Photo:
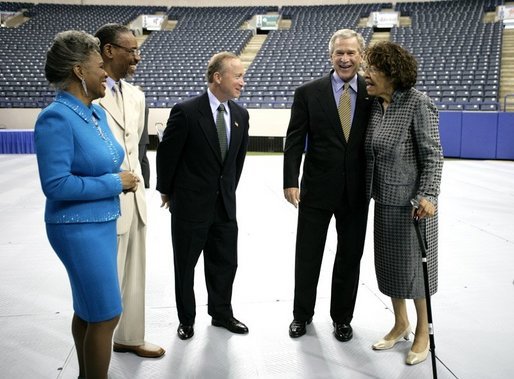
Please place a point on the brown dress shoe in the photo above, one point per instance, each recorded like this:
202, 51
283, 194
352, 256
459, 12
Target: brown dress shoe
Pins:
147, 350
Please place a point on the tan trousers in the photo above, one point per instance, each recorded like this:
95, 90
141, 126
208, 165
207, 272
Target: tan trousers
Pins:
131, 273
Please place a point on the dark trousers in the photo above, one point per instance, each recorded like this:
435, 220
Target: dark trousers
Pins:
145, 165
310, 243
217, 238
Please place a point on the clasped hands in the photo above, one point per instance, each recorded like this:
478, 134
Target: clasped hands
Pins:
129, 181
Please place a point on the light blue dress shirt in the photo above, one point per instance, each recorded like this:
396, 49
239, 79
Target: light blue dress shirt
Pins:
337, 89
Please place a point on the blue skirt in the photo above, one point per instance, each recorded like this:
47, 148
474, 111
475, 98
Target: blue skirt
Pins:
88, 251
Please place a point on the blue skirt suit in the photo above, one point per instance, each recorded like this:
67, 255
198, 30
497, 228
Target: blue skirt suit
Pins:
79, 161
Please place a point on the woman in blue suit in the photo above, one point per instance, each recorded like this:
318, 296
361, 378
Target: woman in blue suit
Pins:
79, 167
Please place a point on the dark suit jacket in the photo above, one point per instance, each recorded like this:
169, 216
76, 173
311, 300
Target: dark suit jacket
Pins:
189, 166
331, 164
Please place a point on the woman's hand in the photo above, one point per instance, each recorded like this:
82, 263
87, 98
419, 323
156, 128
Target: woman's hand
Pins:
129, 181
425, 209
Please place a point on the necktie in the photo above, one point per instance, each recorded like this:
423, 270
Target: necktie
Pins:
118, 96
222, 131
345, 111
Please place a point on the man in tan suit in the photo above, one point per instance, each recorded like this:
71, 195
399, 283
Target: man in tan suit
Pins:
125, 108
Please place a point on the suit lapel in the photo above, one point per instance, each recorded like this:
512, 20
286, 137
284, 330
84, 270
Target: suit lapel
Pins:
236, 130
326, 99
208, 125
362, 99
109, 104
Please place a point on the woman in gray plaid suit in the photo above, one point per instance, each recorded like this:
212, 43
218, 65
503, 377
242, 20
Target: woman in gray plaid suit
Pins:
404, 163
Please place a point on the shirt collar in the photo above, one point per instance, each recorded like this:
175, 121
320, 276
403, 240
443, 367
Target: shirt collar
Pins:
397, 95
215, 103
110, 82
77, 106
339, 83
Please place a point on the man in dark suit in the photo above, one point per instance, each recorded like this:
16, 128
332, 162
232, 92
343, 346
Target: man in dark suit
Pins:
199, 163
331, 115
144, 141
143, 148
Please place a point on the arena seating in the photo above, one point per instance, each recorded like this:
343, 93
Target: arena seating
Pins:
22, 80
173, 65
291, 57
11, 6
459, 55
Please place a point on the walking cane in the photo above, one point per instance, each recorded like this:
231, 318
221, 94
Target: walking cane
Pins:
423, 247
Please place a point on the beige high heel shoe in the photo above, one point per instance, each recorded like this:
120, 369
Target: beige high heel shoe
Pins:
415, 358
384, 344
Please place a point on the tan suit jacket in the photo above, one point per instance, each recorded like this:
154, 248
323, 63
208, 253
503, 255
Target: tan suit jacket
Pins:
127, 131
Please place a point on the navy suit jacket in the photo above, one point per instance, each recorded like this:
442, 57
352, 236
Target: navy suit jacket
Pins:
189, 166
332, 166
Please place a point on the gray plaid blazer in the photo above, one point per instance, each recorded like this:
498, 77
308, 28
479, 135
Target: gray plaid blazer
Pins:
403, 150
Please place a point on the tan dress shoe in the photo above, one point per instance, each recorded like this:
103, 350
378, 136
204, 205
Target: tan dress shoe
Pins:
415, 358
147, 350
384, 344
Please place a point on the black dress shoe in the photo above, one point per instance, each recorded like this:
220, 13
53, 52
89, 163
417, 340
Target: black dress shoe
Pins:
231, 324
343, 332
298, 328
185, 332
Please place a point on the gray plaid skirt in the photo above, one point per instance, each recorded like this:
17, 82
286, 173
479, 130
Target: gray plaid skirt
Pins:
398, 263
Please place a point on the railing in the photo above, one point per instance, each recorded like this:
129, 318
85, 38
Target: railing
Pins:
505, 101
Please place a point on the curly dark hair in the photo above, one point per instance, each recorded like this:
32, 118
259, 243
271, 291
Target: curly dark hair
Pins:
395, 62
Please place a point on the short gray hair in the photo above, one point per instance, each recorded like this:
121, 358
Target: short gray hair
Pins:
345, 34
68, 49
217, 64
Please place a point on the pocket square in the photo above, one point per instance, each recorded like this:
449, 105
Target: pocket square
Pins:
236, 124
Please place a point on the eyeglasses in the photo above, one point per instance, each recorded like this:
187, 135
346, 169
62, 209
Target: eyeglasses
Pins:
130, 51
370, 69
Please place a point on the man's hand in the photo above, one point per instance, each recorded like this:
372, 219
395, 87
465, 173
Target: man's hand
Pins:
166, 202
292, 195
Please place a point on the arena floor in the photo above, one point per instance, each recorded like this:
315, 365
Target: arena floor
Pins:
473, 310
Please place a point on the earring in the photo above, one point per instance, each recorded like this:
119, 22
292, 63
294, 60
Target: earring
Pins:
84, 86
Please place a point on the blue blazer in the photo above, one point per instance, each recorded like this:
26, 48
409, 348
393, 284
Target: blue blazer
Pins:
79, 161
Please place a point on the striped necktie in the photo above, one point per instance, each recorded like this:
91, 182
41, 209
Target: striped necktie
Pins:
345, 111
118, 96
222, 131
